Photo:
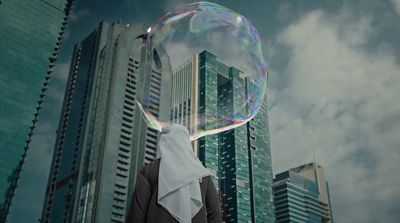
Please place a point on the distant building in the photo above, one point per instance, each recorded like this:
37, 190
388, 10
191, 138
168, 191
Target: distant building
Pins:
31, 33
240, 158
301, 194
102, 140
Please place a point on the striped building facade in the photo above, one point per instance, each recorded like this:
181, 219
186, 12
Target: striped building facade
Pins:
102, 140
301, 194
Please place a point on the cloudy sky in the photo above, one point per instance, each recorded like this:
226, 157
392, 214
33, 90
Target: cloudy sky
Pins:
334, 89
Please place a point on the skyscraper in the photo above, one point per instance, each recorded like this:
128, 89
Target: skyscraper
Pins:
31, 33
239, 158
102, 139
301, 194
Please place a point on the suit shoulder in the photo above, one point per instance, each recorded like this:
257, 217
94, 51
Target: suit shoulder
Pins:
205, 181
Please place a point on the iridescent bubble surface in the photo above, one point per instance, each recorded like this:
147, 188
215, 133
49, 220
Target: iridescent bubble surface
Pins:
212, 72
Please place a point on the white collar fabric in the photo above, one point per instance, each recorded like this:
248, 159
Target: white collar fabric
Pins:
179, 175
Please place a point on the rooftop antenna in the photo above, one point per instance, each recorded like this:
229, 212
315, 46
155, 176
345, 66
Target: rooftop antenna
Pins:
315, 156
316, 170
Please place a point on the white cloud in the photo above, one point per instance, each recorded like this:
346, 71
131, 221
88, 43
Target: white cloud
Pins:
58, 82
285, 11
340, 98
396, 6
79, 15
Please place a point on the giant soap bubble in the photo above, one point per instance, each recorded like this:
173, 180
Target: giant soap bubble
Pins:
204, 69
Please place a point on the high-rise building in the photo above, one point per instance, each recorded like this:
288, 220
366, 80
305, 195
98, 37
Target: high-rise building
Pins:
240, 158
102, 139
301, 194
31, 33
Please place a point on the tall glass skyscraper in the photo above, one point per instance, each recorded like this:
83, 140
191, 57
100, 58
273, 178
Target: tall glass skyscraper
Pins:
239, 159
301, 194
31, 33
102, 139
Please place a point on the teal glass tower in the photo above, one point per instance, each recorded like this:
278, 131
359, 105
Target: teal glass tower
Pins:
31, 33
301, 194
239, 159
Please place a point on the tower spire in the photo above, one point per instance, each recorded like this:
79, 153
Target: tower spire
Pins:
316, 169
315, 156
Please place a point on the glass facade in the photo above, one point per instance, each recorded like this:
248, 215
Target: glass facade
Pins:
239, 158
301, 195
30, 37
259, 144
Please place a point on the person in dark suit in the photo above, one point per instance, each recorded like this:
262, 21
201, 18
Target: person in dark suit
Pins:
175, 187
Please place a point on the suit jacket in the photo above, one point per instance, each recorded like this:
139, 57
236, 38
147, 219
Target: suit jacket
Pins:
145, 208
